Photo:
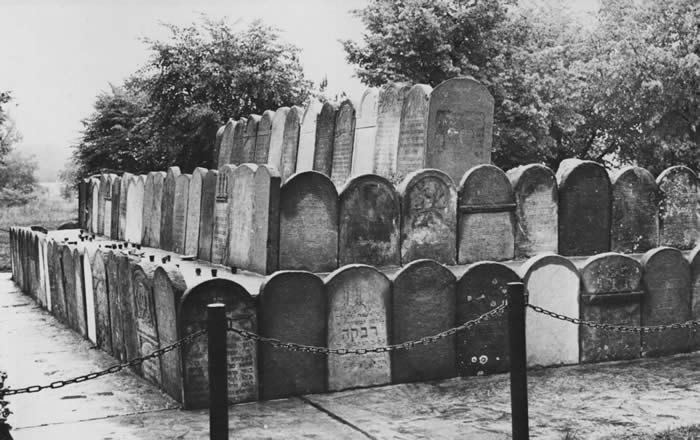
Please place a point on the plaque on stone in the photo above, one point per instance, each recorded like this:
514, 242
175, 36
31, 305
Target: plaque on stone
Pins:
308, 223
221, 228
80, 303
428, 217
134, 210
325, 135
123, 189
369, 222
536, 201
154, 218
359, 298
667, 300
413, 130
274, 153
240, 216
226, 146
239, 131
194, 205
611, 293
242, 353
486, 216
107, 227
262, 140
116, 200
551, 282
585, 200
483, 349
217, 144
694, 260
679, 209
389, 107
167, 207
635, 211
145, 325
105, 191
292, 307
307, 136
423, 305
343, 142
263, 254
127, 307
182, 190
115, 305
365, 133
207, 215
290, 141
103, 321
249, 138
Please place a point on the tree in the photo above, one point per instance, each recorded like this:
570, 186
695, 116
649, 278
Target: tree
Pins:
18, 183
9, 135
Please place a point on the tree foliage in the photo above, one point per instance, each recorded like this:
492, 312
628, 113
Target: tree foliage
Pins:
18, 184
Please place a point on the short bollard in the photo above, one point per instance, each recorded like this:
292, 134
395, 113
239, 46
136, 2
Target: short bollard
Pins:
518, 361
218, 387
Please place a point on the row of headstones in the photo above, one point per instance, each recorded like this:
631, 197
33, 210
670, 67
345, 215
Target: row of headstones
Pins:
391, 132
239, 216
129, 306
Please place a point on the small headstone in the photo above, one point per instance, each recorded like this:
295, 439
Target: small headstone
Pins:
307, 136
694, 260
290, 141
115, 305
262, 140
486, 216
237, 156
123, 189
389, 108
207, 215
292, 307
359, 298
116, 201
460, 125
182, 190
249, 139
343, 142
428, 217
413, 130
80, 303
221, 229
146, 327
134, 211
536, 211
325, 134
635, 211
308, 223
194, 206
167, 207
217, 145
274, 154
679, 209
423, 304
102, 315
154, 217
226, 146
365, 133
369, 222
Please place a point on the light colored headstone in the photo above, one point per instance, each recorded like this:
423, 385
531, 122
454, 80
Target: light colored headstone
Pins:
226, 146
134, 211
217, 144
224, 185
343, 142
679, 209
249, 138
413, 130
182, 190
262, 140
635, 211
325, 135
237, 156
167, 207
263, 253
95, 197
123, 184
148, 190
69, 288
207, 215
389, 109
240, 216
307, 136
290, 141
365, 133
194, 206
274, 155
81, 303
99, 287
107, 217
155, 216
105, 192
145, 313
90, 311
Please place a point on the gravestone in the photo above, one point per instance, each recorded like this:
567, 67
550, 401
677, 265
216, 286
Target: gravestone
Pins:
237, 156
389, 108
551, 282
274, 153
249, 138
94, 203
679, 208
460, 125
103, 321
41, 269
263, 254
423, 305
167, 207
240, 216
584, 208
483, 349
123, 190
224, 187
359, 298
217, 144
134, 211
262, 140
413, 129
635, 211
155, 216
611, 293
105, 191
428, 217
486, 216
307, 136
292, 307
182, 190
369, 222
694, 260
536, 201
127, 307
290, 141
116, 202
115, 305
241, 353
146, 212
365, 133
69, 290
207, 215
308, 223
667, 300
325, 134
145, 324
194, 206
80, 301
343, 141
226, 146
82, 202
90, 316
107, 227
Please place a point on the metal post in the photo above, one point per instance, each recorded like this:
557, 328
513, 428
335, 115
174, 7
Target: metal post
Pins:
518, 361
218, 388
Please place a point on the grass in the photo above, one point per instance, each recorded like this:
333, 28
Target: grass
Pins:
683, 433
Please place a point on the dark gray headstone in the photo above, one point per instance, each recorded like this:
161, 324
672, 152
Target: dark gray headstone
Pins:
239, 133
262, 140
226, 146
207, 215
343, 142
107, 227
389, 109
635, 211
69, 290
102, 312
166, 211
123, 190
325, 134
182, 191
155, 216
365, 133
249, 139
116, 202
221, 228
115, 305
679, 209
413, 130
217, 145
78, 277
127, 307
145, 314
82, 202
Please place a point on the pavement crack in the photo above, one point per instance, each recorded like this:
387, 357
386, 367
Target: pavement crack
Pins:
336, 417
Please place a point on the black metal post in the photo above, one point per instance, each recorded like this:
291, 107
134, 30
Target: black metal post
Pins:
218, 387
518, 361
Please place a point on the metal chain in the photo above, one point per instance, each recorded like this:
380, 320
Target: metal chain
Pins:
381, 349
113, 369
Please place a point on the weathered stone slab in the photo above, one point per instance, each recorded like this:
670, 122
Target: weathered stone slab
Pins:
307, 136
460, 125
94, 204
58, 297
667, 300
536, 210
389, 107
694, 260
308, 223
226, 146
242, 353
290, 141
134, 210
262, 140
292, 307
263, 253
82, 202
274, 153
43, 296
611, 293
635, 211
194, 206
343, 142
123, 189
423, 305
154, 217
679, 208
413, 130
145, 314
552, 282
359, 298
127, 306
428, 217
207, 215
249, 138
224, 187
237, 155
80, 302
115, 305
167, 207
584, 208
217, 145
240, 216
182, 191
69, 290
486, 216
90, 316
107, 217
325, 135
103, 321
369, 222
484, 348
116, 202
105, 191
365, 133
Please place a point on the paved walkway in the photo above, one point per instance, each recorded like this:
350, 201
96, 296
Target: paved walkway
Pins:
591, 401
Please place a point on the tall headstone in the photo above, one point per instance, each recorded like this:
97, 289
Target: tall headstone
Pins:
262, 141
239, 131
217, 144
224, 185
413, 130
115, 305
307, 136
585, 200
423, 304
274, 154
134, 211
536, 209
123, 189
308, 223
694, 260
486, 216
207, 215
679, 208
70, 292
343, 142
428, 217
226, 146
82, 202
155, 215
368, 222
389, 107
180, 203
128, 307
116, 202
194, 206
105, 192
460, 125
249, 138
79, 280
167, 207
359, 298
325, 135
365, 133
635, 211
292, 307
95, 204
240, 216
103, 328
146, 324
90, 300
147, 206
290, 141
107, 227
